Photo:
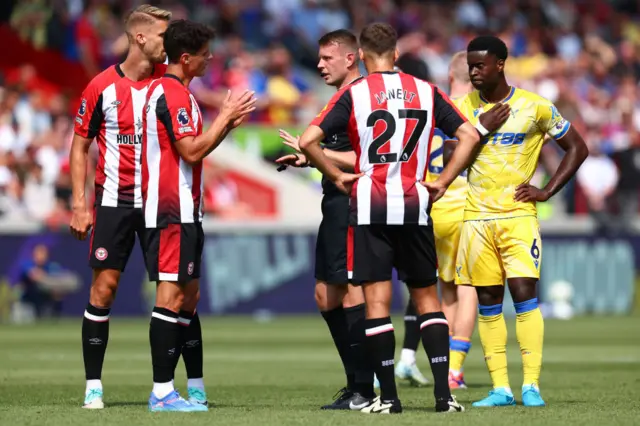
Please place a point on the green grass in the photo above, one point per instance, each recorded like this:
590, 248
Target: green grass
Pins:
280, 372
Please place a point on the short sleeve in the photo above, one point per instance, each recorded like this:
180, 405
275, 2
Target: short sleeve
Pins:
447, 116
550, 121
174, 110
90, 114
334, 117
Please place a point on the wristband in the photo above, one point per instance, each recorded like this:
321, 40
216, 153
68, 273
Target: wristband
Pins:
483, 131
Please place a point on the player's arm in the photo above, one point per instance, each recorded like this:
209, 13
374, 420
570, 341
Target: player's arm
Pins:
88, 122
194, 148
576, 151
452, 122
345, 160
333, 119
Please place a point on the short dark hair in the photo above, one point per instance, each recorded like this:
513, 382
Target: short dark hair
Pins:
183, 36
378, 38
490, 44
414, 66
340, 36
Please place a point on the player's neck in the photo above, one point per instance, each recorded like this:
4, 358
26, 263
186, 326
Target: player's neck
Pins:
458, 90
498, 93
378, 65
353, 74
136, 67
176, 69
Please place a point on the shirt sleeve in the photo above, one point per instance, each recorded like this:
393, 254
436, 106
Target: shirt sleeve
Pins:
550, 121
174, 110
447, 117
90, 115
334, 117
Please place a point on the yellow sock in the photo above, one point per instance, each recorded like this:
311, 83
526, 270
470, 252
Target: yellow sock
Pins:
530, 333
493, 336
459, 348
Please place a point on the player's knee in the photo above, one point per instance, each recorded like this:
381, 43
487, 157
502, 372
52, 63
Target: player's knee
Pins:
425, 299
449, 292
490, 295
328, 297
191, 299
522, 289
103, 290
170, 296
353, 297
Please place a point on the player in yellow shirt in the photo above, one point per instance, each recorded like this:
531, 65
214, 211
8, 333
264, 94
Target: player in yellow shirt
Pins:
500, 236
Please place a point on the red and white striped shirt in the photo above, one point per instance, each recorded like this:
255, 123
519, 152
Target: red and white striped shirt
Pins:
171, 188
390, 118
111, 111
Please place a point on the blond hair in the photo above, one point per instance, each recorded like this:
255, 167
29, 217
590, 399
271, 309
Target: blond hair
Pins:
144, 14
458, 68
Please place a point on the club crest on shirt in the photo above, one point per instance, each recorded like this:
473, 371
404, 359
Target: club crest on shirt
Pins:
83, 107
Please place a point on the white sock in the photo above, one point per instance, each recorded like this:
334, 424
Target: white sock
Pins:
408, 356
507, 390
93, 384
160, 390
455, 372
196, 383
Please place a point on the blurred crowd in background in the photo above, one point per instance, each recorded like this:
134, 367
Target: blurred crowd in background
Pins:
583, 55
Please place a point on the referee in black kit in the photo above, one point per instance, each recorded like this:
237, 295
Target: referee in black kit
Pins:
341, 305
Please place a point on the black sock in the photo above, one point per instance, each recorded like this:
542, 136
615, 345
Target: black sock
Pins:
381, 346
191, 344
164, 336
337, 322
411, 328
95, 335
363, 366
435, 339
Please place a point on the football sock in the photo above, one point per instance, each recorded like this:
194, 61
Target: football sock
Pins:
381, 346
160, 390
165, 339
95, 335
191, 344
411, 334
363, 368
92, 385
530, 333
435, 339
336, 320
493, 336
459, 348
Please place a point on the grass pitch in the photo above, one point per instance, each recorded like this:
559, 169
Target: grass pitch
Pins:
280, 372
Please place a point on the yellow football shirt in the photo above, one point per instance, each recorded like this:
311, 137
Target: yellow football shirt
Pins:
449, 208
509, 156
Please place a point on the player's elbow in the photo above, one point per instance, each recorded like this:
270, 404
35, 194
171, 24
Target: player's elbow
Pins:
191, 158
305, 144
583, 151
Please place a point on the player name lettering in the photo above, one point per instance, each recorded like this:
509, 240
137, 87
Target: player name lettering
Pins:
395, 94
129, 139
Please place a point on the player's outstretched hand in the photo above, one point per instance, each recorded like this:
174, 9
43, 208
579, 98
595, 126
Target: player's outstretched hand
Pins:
289, 140
436, 189
235, 108
81, 223
295, 160
495, 117
345, 181
526, 192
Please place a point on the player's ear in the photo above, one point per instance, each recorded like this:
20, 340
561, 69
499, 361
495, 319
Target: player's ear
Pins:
140, 38
361, 54
500, 65
351, 59
184, 59
396, 55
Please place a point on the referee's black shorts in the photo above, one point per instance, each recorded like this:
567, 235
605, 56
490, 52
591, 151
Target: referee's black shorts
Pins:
335, 241
410, 249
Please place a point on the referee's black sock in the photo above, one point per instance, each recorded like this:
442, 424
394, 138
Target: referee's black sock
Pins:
435, 339
381, 346
411, 328
363, 367
95, 335
165, 339
336, 320
191, 345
